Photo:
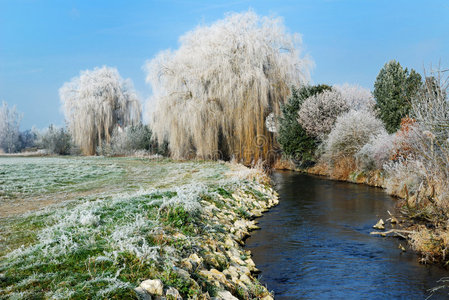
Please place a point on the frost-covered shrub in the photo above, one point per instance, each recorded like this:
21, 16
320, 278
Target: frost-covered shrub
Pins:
213, 94
376, 152
319, 112
351, 132
422, 146
404, 177
139, 137
357, 97
130, 140
430, 143
407, 139
430, 107
28, 138
55, 140
95, 103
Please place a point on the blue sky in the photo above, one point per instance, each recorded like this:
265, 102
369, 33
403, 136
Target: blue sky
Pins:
45, 43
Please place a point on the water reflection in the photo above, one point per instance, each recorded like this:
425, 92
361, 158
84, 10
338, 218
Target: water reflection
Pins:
316, 245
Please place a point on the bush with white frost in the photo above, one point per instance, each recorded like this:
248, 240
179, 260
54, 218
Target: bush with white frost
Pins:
378, 151
55, 140
28, 138
128, 140
430, 143
319, 112
404, 177
95, 103
357, 97
351, 132
213, 94
430, 107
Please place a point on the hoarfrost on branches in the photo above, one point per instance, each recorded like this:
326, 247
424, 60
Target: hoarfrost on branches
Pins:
357, 97
213, 94
376, 152
130, 140
319, 112
352, 131
430, 107
95, 103
409, 174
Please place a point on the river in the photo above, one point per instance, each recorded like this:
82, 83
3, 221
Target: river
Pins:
316, 245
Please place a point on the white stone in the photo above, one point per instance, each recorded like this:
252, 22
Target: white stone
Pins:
195, 258
229, 242
215, 275
240, 224
244, 278
232, 271
244, 270
250, 263
154, 287
225, 295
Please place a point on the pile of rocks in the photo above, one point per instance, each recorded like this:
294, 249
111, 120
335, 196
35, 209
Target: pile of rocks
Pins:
221, 261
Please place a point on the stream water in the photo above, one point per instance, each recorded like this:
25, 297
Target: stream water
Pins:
316, 245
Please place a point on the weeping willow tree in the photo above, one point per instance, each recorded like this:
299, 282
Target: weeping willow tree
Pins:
211, 97
95, 103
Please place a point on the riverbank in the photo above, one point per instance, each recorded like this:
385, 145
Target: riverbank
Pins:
316, 244
154, 228
426, 232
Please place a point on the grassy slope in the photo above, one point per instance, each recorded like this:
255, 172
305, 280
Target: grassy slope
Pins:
117, 221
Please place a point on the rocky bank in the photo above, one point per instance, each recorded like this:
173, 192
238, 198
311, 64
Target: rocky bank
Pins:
219, 267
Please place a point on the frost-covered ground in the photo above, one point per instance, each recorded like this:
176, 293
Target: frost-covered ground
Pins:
28, 183
109, 222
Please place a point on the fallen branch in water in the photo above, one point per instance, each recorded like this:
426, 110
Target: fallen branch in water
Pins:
398, 232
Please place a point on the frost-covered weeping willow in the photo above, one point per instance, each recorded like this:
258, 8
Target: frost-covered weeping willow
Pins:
212, 95
95, 103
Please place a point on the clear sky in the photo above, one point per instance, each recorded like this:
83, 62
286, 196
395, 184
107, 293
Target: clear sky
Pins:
45, 43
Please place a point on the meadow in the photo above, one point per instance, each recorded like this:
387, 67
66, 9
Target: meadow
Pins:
95, 227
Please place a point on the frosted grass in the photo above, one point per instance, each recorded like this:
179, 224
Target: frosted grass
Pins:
25, 176
104, 244
99, 232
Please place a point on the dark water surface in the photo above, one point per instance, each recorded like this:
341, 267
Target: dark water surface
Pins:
316, 245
